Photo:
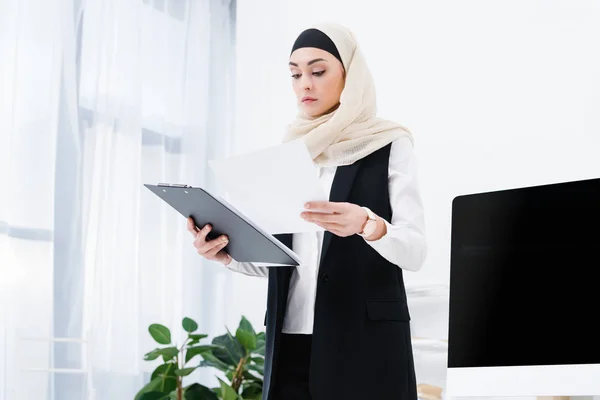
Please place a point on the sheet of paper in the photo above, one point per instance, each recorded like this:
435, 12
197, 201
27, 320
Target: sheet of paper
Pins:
270, 186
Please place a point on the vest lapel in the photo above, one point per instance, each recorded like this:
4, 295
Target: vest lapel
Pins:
279, 282
340, 189
284, 274
285, 238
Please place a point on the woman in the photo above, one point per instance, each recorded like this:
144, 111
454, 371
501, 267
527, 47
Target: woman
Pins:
338, 325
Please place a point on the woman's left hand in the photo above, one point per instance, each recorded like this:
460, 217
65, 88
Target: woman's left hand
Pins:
341, 219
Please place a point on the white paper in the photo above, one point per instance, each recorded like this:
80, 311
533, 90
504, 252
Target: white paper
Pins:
289, 252
270, 186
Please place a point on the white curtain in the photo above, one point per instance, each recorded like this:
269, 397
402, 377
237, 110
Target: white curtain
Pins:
98, 97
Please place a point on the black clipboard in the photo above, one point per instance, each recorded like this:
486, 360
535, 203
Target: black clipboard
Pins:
247, 242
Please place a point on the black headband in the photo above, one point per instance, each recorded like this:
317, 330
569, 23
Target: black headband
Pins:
316, 38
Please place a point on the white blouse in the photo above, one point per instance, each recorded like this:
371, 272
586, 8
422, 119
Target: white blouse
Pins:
404, 244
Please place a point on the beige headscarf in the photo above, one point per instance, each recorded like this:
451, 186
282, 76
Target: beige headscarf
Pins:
352, 131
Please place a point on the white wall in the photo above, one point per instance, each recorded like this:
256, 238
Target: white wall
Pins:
498, 95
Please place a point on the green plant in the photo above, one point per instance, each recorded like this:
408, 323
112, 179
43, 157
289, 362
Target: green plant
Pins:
240, 358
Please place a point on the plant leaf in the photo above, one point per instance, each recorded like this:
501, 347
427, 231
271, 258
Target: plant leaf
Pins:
247, 340
258, 368
229, 375
168, 384
160, 333
253, 385
211, 361
195, 338
168, 353
260, 349
152, 396
164, 369
260, 344
258, 360
250, 377
246, 326
184, 371
227, 392
198, 392
171, 396
167, 381
155, 385
189, 325
153, 355
196, 350
232, 351
252, 391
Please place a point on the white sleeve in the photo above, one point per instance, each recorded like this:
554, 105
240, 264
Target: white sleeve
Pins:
248, 268
405, 243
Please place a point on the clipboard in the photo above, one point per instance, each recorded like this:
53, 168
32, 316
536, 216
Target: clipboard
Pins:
247, 241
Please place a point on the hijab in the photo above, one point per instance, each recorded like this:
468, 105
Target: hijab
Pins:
352, 131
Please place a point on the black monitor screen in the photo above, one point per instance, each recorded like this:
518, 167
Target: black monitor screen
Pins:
525, 277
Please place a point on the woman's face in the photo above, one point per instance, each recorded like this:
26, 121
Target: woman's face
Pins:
317, 79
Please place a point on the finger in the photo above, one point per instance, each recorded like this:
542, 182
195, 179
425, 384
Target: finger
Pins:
329, 227
325, 206
200, 239
203, 232
191, 226
324, 218
209, 246
335, 231
223, 257
215, 254
212, 252
341, 232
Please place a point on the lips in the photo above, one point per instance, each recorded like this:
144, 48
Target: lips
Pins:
308, 99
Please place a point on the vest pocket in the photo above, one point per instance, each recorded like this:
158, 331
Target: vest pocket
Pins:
387, 310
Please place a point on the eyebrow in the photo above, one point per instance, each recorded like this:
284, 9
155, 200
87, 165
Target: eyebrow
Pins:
310, 62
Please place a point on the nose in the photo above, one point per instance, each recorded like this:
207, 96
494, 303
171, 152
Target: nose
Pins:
306, 82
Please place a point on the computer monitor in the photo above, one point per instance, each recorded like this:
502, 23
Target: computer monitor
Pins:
525, 292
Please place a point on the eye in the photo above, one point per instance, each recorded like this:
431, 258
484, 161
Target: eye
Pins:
295, 76
318, 73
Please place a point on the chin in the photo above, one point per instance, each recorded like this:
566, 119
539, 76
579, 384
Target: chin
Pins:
312, 112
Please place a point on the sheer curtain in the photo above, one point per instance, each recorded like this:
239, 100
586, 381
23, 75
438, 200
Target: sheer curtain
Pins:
98, 97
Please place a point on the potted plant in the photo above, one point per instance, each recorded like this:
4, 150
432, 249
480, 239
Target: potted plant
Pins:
239, 357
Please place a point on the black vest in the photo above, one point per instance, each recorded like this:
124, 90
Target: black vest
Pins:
361, 346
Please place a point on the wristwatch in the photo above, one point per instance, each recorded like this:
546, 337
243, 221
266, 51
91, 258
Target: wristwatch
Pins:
370, 225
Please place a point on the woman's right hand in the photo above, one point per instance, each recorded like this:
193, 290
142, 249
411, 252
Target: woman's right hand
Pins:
211, 249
